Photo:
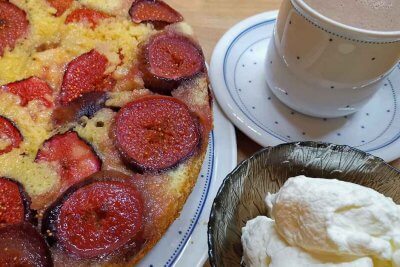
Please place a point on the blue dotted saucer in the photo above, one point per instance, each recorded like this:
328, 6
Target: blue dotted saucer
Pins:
237, 76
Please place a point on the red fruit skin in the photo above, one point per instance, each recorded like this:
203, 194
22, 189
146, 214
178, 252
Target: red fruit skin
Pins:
74, 158
80, 220
30, 89
13, 25
11, 133
85, 74
168, 59
22, 245
155, 133
86, 15
154, 11
86, 105
60, 5
15, 203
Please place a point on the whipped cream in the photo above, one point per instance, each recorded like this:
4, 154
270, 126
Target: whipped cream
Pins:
263, 247
323, 222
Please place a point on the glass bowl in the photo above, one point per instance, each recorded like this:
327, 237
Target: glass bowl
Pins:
241, 196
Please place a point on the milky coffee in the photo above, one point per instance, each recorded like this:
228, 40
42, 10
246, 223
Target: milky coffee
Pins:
379, 15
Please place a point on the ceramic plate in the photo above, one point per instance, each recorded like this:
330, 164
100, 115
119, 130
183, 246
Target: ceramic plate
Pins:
242, 194
237, 77
185, 243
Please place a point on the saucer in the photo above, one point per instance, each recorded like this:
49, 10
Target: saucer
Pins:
237, 75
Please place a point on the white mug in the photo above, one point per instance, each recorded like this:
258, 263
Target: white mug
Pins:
323, 68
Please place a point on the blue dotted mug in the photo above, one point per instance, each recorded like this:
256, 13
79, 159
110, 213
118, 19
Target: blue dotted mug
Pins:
323, 68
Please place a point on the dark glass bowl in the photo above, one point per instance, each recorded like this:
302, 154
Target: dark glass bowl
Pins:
241, 196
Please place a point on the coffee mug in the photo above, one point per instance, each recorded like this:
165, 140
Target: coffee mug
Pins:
323, 68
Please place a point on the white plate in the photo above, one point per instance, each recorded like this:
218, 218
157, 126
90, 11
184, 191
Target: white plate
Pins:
237, 77
185, 243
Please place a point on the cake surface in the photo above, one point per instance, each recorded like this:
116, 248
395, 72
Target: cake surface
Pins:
105, 97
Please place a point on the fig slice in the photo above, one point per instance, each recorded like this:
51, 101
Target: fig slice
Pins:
15, 203
60, 5
73, 157
13, 25
167, 59
10, 136
22, 245
29, 89
96, 218
85, 74
155, 133
86, 15
154, 11
86, 105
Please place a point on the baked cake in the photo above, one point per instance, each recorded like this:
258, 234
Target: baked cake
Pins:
105, 113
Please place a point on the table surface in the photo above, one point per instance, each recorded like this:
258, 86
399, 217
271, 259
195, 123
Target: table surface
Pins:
210, 20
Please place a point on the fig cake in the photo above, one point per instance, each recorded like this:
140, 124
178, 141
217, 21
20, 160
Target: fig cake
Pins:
105, 114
